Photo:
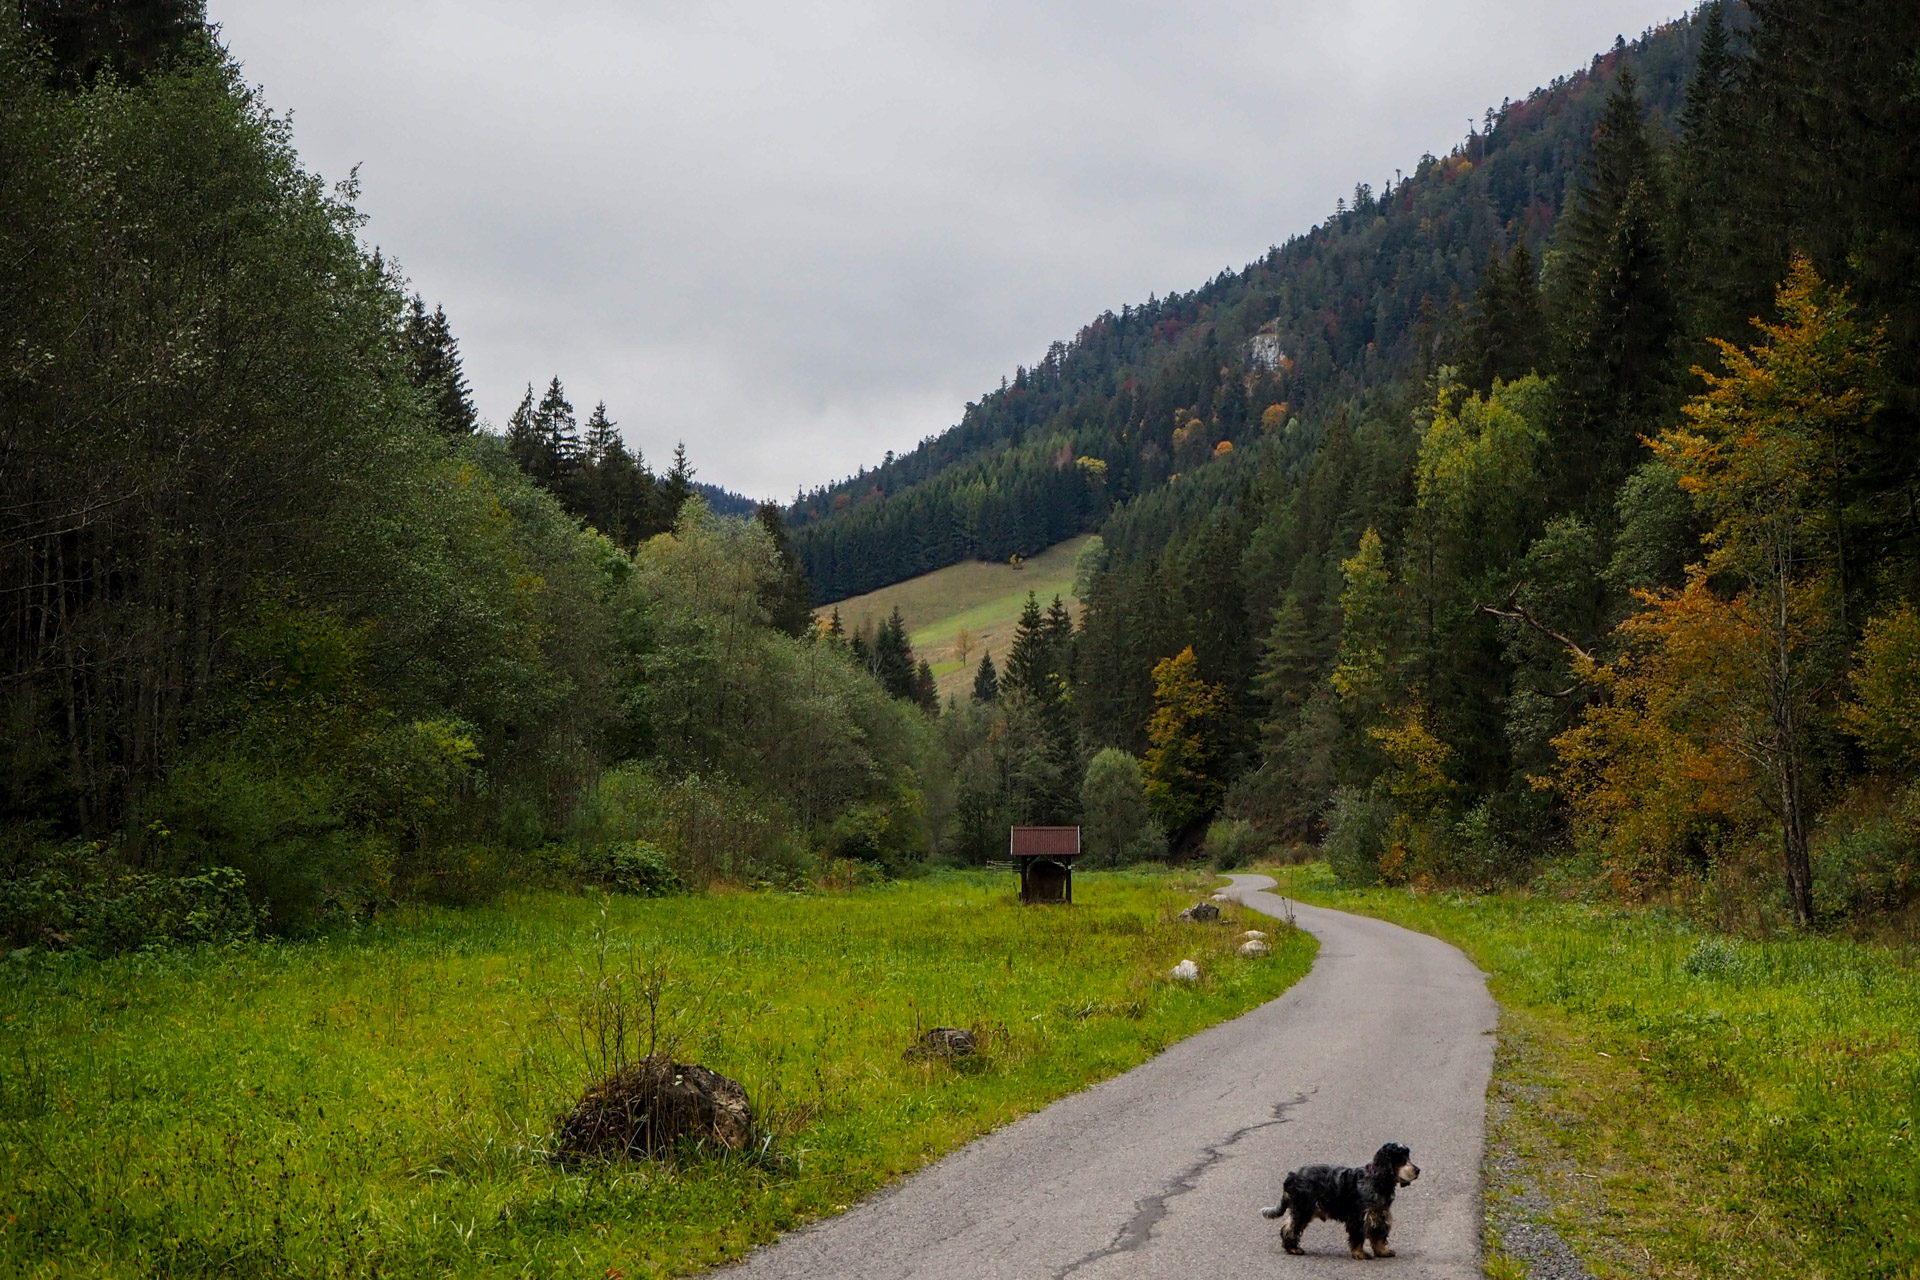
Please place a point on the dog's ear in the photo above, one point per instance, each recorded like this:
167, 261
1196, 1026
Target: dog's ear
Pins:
1390, 1156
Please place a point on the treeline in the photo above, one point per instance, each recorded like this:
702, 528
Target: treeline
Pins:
285, 633
1612, 579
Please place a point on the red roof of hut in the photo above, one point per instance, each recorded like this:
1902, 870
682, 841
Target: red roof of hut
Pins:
1046, 842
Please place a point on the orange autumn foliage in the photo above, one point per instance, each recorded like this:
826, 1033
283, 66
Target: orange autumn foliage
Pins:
1657, 774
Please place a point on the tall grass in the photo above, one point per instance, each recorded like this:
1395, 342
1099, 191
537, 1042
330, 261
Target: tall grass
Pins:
382, 1103
1766, 1095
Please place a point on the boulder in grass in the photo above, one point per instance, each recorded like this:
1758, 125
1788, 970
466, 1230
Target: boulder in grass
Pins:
946, 1042
1224, 897
1255, 947
1254, 935
646, 1107
1201, 913
1186, 971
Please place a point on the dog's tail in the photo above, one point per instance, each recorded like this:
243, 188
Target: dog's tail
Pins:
1278, 1210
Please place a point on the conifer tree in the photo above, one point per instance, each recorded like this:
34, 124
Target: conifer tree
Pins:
1289, 668
1030, 666
129, 38
893, 657
986, 681
600, 437
926, 691
787, 598
1614, 310
1711, 219
677, 485
1505, 334
433, 356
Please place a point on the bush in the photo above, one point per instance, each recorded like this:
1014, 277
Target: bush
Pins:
1866, 857
1232, 843
85, 904
709, 828
284, 831
1149, 846
640, 868
1357, 825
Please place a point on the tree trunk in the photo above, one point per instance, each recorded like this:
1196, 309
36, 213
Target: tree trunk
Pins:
1788, 762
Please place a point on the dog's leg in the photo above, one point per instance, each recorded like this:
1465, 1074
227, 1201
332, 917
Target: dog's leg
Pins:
1357, 1237
1379, 1223
1298, 1217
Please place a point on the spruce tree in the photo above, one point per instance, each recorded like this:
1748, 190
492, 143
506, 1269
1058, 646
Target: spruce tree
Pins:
526, 443
600, 438
128, 38
1505, 332
787, 598
433, 358
1030, 666
986, 681
926, 691
893, 657
677, 485
1614, 311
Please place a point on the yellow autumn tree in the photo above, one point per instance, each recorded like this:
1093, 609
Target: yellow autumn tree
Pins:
1182, 766
1724, 680
1368, 618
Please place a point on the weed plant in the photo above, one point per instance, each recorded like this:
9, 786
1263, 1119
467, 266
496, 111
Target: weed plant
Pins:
1741, 1107
384, 1102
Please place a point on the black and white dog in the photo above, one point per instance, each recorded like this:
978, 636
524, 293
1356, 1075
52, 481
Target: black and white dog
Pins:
1361, 1198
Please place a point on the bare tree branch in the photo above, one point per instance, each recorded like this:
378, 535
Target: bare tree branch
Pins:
1513, 609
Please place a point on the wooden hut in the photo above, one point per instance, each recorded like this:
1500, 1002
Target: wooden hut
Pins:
1045, 857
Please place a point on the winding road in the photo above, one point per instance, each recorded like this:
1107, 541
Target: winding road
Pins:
1162, 1171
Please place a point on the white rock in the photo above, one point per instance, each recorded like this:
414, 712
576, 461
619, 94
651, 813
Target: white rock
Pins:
1254, 935
1255, 947
1186, 971
1224, 897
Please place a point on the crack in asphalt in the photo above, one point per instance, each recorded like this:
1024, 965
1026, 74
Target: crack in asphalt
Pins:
1148, 1211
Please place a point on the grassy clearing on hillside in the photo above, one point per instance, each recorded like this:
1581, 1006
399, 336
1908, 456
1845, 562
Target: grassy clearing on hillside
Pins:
1691, 1104
382, 1103
982, 598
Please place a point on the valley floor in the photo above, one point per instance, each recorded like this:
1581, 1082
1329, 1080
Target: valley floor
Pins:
382, 1101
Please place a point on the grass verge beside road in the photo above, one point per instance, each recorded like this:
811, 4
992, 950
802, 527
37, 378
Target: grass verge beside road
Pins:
1675, 1103
381, 1104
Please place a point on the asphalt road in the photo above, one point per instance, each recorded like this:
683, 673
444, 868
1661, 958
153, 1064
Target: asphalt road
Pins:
1162, 1171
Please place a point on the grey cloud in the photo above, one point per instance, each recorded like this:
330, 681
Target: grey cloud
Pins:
799, 234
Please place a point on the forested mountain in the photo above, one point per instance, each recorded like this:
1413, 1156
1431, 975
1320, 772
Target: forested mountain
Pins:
1478, 531
1500, 535
1168, 388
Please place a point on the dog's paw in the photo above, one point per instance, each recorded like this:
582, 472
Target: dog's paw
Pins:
1381, 1251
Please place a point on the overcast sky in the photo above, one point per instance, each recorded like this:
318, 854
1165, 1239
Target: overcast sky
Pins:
797, 234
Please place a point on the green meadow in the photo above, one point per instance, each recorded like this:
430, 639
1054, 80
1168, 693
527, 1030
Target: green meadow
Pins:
1692, 1104
975, 596
382, 1102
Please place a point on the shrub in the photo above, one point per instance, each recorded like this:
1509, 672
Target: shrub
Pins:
1866, 857
85, 903
709, 828
1357, 825
1232, 843
640, 868
1149, 846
